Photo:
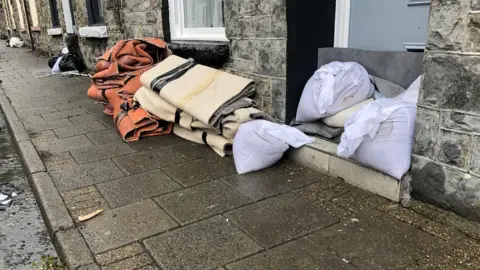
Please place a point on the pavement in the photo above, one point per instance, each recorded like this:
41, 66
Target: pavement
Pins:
23, 235
171, 204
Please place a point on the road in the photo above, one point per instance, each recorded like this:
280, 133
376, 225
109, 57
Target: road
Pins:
23, 236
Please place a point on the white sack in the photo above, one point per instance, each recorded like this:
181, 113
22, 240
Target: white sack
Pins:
65, 50
259, 144
411, 94
381, 136
339, 119
56, 67
333, 88
15, 42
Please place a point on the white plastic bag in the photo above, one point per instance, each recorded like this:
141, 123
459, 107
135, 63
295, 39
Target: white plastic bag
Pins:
333, 88
15, 42
259, 144
56, 67
381, 136
411, 94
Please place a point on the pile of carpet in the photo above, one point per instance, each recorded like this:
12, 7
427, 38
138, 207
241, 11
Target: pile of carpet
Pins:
118, 79
150, 92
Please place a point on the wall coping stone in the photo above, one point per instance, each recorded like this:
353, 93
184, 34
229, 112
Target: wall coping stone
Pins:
93, 31
55, 31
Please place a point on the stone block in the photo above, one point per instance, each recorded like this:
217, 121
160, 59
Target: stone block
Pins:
23, 114
454, 148
104, 136
113, 229
38, 124
473, 42
279, 100
77, 176
358, 200
201, 170
371, 232
270, 57
445, 187
30, 157
189, 247
241, 65
137, 187
62, 114
84, 201
451, 81
148, 160
157, 142
475, 5
56, 160
54, 211
192, 151
277, 179
365, 178
118, 254
43, 136
73, 248
299, 254
64, 145
426, 132
280, 219
279, 18
475, 157
134, 262
201, 201
461, 121
78, 129
18, 131
99, 152
242, 49
447, 24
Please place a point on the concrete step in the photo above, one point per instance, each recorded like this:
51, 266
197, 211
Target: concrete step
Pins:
321, 156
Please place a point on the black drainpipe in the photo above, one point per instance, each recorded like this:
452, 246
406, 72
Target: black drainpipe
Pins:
29, 24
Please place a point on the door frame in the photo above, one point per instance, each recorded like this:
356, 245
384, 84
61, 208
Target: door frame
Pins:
342, 23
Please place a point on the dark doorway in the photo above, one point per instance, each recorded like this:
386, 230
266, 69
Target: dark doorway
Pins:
311, 25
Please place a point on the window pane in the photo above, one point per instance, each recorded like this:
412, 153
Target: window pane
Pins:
203, 13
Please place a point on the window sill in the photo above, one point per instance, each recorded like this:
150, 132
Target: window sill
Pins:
55, 31
35, 29
207, 53
93, 32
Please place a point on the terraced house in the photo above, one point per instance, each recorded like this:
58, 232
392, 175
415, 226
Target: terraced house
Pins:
276, 43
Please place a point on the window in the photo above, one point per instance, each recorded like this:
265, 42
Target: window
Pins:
197, 20
54, 14
94, 10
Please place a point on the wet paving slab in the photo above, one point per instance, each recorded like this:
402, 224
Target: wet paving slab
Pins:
23, 236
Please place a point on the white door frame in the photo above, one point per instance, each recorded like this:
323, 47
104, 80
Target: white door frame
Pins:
342, 23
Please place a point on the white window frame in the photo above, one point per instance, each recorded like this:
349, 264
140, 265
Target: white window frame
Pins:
179, 32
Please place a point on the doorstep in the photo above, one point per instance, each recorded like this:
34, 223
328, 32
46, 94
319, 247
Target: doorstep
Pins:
321, 156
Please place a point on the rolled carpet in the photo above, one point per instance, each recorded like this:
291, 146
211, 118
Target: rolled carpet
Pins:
189, 87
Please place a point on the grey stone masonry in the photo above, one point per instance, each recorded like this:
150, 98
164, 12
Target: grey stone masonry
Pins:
446, 152
257, 30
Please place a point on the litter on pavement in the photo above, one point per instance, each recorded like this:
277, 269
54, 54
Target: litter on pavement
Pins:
8, 192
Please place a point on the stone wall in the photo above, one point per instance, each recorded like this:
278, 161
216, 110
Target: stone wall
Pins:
257, 30
446, 162
50, 45
123, 18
